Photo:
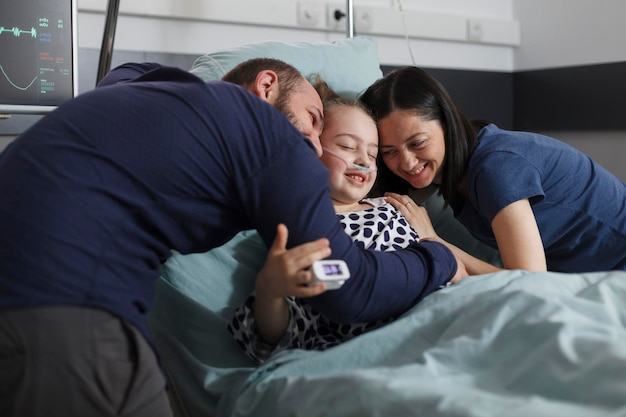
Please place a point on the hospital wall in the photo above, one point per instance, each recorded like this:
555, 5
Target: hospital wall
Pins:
570, 75
562, 76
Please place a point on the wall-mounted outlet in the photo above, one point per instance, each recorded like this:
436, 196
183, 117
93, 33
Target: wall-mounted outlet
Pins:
363, 19
336, 18
474, 30
309, 13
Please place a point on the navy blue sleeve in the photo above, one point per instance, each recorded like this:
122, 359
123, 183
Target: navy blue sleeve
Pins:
389, 284
127, 72
293, 189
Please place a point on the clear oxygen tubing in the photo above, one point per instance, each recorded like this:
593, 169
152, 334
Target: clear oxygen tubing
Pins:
361, 168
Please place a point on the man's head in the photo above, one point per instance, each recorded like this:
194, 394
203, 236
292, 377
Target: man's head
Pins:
282, 86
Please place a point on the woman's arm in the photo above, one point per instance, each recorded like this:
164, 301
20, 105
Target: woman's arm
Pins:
518, 237
418, 217
285, 273
473, 265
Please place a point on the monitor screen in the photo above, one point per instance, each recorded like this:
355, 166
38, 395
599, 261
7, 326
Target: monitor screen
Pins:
38, 55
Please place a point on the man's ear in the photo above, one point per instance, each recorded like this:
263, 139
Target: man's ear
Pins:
266, 86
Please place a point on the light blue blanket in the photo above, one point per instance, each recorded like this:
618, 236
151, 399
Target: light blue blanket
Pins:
509, 344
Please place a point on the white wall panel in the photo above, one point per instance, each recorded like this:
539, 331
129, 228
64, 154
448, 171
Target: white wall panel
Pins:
559, 33
199, 26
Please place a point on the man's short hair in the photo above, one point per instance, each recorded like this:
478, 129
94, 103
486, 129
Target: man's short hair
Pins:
245, 73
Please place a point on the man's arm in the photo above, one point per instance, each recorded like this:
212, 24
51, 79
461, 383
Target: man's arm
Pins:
293, 189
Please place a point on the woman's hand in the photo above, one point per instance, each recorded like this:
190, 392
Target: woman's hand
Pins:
416, 215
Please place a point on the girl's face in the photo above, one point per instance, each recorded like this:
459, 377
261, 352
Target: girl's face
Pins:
412, 148
351, 137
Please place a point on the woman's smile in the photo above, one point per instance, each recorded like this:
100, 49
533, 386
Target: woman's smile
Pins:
413, 148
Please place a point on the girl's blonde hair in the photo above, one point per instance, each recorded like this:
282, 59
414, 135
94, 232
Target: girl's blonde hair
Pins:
331, 98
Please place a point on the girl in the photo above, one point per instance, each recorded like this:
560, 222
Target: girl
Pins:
271, 320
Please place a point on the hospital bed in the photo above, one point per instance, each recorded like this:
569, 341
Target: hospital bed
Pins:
512, 343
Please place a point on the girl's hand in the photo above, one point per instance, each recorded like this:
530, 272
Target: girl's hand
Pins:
287, 271
416, 215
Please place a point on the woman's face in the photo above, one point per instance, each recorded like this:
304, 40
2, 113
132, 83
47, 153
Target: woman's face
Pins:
412, 148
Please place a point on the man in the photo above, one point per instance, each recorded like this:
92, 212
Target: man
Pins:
95, 196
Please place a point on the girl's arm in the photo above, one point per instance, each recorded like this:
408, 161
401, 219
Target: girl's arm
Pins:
285, 273
518, 237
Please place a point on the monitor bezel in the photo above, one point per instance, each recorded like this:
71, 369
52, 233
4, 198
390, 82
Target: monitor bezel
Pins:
8, 109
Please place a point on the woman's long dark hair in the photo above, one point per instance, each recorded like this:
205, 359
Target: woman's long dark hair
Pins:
413, 89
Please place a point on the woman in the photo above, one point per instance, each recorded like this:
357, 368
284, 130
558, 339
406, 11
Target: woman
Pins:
541, 203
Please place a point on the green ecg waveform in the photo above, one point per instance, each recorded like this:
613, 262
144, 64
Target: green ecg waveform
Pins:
17, 32
15, 85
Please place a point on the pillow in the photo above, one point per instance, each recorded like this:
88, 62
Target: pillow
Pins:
197, 294
349, 65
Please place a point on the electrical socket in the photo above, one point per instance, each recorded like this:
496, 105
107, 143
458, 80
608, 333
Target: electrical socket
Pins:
363, 19
309, 13
336, 18
474, 30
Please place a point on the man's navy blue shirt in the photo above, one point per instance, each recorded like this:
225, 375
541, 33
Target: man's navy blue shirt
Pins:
94, 197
